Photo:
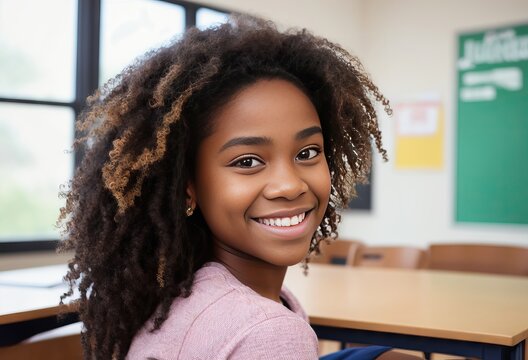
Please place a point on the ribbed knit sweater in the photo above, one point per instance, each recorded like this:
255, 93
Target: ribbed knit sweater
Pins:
224, 319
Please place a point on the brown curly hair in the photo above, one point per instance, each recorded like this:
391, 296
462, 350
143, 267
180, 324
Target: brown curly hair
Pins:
135, 249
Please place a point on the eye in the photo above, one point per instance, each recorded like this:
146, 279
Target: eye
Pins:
247, 163
307, 154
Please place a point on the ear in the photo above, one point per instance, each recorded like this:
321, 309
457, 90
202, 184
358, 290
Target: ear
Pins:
191, 195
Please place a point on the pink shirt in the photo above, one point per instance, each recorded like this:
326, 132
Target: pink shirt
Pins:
224, 319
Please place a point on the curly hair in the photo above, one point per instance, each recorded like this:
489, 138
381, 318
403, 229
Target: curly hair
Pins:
135, 249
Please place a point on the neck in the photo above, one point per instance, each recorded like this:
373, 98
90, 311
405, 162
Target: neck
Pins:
262, 277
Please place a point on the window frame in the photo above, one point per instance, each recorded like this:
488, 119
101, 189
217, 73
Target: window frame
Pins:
86, 82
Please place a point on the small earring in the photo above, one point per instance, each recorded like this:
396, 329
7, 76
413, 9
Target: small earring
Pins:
189, 211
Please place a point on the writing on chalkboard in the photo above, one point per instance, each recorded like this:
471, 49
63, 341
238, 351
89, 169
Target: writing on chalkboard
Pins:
495, 47
510, 78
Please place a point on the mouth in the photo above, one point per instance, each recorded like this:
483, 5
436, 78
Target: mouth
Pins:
296, 226
287, 221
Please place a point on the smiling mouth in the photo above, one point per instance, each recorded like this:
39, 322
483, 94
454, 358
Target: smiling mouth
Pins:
283, 221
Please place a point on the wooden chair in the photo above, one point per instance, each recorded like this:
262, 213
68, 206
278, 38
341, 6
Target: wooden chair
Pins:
482, 258
404, 257
63, 343
337, 252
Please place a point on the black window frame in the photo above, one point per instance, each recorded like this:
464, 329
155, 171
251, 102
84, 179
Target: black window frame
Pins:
86, 82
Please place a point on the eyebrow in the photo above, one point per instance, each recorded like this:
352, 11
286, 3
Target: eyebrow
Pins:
262, 140
246, 140
303, 134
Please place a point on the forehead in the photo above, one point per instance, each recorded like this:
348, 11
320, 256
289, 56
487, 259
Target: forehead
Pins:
273, 108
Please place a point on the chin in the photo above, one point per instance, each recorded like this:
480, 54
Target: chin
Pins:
290, 259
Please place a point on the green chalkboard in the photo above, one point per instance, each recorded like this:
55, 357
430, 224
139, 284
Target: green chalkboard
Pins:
492, 126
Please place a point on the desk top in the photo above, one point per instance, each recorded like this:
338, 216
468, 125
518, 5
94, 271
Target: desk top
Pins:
31, 293
451, 305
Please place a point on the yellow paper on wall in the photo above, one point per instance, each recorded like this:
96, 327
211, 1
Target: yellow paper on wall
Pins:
419, 135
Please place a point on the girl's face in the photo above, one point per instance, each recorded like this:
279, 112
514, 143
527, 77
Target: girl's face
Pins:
262, 181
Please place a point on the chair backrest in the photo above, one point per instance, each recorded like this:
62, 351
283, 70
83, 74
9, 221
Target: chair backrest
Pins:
493, 259
337, 252
404, 257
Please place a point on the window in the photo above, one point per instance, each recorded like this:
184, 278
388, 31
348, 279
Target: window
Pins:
37, 90
206, 17
37, 49
130, 28
51, 58
34, 139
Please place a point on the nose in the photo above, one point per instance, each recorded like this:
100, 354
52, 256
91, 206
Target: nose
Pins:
285, 182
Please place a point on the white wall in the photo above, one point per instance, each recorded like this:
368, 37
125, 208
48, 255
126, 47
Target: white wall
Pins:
408, 46
337, 20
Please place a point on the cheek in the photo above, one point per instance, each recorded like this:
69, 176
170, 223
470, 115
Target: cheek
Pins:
224, 202
322, 185
224, 197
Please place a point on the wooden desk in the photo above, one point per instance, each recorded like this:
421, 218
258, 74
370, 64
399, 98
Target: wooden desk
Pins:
29, 302
464, 314
472, 315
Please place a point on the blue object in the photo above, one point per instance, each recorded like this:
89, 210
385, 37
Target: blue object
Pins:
360, 353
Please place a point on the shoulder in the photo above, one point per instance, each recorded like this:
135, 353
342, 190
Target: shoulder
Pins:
282, 337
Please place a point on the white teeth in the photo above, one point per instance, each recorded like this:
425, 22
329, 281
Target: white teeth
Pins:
283, 222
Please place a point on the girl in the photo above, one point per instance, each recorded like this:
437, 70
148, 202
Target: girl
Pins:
209, 167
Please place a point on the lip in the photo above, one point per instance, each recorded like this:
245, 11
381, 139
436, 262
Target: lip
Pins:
293, 231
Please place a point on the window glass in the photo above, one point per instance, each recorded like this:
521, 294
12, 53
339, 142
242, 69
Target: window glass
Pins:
129, 28
34, 161
37, 49
207, 17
